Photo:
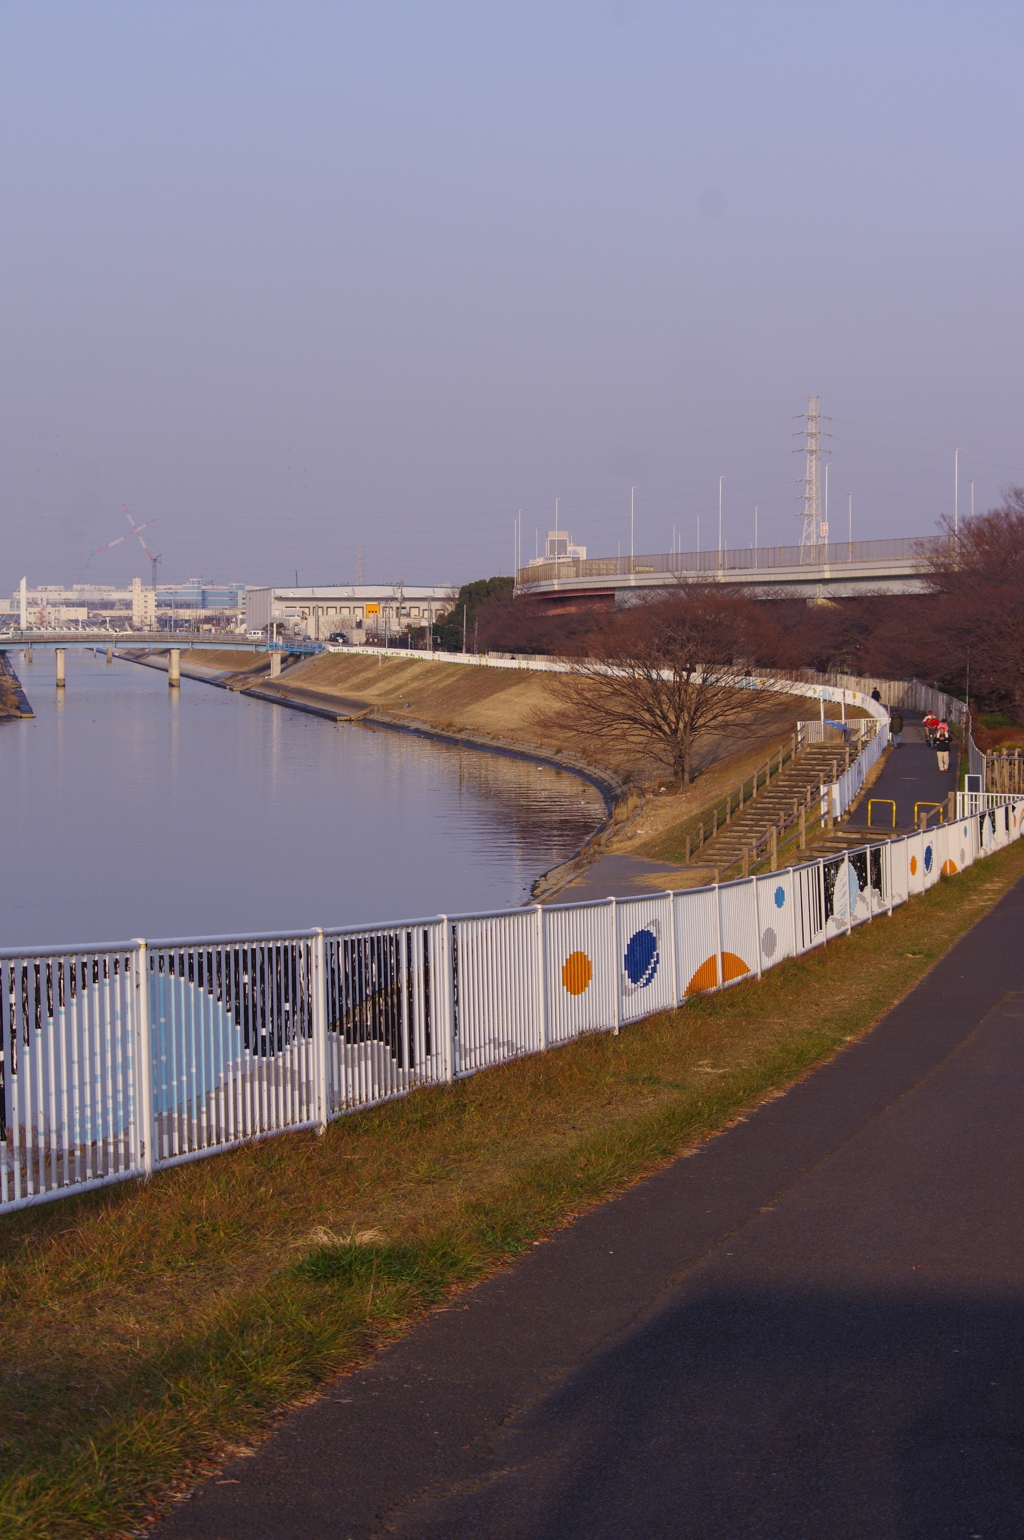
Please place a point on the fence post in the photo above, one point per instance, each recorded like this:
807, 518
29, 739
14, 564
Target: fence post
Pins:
824, 916
775, 848
616, 976
145, 1119
803, 828
449, 998
718, 922
849, 905
675, 959
757, 925
320, 1029
542, 985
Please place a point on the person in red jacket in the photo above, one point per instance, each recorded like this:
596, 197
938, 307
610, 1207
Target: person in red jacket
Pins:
931, 722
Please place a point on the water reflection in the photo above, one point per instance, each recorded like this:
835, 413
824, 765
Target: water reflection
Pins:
132, 809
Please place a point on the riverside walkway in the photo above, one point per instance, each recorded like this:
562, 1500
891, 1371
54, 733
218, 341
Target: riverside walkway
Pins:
811, 1328
909, 777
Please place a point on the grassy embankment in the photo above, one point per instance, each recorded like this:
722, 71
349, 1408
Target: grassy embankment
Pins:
149, 1329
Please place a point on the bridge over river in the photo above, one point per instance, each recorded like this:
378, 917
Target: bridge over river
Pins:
834, 571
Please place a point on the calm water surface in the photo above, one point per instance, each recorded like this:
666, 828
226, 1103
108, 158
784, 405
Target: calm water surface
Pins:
133, 810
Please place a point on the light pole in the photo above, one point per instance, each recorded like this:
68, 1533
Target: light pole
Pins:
823, 532
849, 531
956, 494
756, 547
720, 480
632, 509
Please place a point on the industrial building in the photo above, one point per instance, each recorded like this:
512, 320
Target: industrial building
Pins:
360, 611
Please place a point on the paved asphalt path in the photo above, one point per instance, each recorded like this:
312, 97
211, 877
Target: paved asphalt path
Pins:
812, 1329
910, 774
618, 875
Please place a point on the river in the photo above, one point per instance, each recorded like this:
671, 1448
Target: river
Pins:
134, 810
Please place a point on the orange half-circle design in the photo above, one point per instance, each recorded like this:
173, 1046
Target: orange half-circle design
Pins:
706, 976
577, 971
948, 868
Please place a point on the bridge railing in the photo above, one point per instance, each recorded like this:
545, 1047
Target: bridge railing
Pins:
116, 1061
741, 559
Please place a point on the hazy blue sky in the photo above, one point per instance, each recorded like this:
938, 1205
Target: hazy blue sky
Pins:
296, 278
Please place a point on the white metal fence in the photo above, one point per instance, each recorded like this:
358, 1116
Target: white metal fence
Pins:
117, 1061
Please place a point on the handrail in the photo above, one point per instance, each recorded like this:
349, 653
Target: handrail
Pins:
882, 802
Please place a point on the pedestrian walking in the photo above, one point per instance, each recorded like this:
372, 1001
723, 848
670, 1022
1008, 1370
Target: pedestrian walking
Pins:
896, 728
875, 695
942, 746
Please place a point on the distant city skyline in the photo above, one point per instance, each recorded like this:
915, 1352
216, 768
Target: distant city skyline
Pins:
296, 281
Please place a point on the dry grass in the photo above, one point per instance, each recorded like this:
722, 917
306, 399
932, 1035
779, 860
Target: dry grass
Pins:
149, 1328
508, 706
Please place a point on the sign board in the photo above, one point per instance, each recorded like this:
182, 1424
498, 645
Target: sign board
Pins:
373, 609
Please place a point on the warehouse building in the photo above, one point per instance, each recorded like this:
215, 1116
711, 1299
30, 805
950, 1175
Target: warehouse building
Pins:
361, 611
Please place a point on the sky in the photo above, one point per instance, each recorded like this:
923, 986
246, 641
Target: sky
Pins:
297, 279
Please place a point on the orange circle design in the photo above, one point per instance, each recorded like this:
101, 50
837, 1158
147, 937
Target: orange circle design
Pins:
706, 976
913, 866
577, 971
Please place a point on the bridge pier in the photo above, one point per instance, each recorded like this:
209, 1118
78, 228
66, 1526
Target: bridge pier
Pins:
275, 665
174, 669
60, 654
110, 654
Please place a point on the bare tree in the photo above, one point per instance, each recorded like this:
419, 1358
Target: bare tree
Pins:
978, 576
663, 674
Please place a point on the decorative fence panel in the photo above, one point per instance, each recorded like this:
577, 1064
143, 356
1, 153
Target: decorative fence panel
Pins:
68, 1072
496, 1019
646, 947
740, 936
579, 980
698, 940
776, 915
386, 1009
232, 1042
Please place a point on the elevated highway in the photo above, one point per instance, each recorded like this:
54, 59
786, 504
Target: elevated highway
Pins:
835, 571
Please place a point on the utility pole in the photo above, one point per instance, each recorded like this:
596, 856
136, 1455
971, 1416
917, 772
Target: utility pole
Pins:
632, 510
756, 547
811, 515
850, 524
824, 522
720, 480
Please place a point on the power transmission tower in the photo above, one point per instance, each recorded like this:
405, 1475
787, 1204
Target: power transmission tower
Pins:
814, 531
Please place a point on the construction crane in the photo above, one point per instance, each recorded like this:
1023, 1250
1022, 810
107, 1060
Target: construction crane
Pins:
136, 529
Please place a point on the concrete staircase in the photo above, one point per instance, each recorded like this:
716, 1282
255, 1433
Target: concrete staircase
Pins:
749, 831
